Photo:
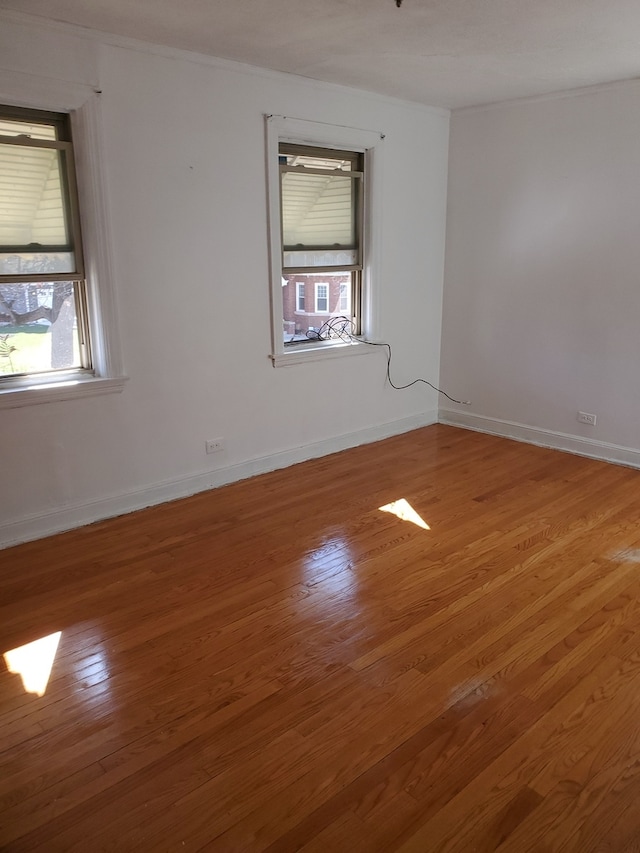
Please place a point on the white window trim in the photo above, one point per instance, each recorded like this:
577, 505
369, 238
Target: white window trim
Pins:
320, 352
300, 285
108, 376
304, 132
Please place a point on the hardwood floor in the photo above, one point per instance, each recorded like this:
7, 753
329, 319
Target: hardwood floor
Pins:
280, 665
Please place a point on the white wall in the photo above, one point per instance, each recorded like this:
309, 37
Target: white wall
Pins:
185, 169
542, 283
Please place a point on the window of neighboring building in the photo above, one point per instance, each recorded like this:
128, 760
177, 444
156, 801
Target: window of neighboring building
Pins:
344, 300
323, 218
322, 297
43, 306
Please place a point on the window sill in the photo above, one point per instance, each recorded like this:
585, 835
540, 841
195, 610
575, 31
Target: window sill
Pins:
52, 392
309, 352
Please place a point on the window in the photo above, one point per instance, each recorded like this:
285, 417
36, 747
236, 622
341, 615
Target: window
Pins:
344, 299
300, 287
43, 306
323, 223
58, 315
322, 297
321, 200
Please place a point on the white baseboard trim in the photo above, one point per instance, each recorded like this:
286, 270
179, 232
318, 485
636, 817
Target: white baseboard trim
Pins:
39, 525
602, 450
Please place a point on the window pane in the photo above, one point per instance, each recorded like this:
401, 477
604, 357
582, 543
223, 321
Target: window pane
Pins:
32, 208
26, 263
324, 303
35, 130
345, 298
38, 328
330, 258
317, 210
322, 297
342, 163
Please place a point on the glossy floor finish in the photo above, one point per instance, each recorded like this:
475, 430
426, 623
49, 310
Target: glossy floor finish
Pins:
280, 665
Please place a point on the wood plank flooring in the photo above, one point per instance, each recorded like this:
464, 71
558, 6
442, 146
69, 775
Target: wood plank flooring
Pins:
279, 665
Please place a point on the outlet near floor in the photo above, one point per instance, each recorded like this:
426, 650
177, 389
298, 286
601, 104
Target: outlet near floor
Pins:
586, 418
214, 445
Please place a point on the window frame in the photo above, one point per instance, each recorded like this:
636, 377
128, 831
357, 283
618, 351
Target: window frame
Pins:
301, 296
319, 135
106, 374
63, 143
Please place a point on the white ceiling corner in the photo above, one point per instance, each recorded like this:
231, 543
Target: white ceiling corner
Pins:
447, 53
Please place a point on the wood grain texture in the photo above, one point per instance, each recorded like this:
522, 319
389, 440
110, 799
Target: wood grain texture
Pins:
277, 665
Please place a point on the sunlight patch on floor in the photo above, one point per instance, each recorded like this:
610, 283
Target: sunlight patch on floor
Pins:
627, 555
33, 662
403, 510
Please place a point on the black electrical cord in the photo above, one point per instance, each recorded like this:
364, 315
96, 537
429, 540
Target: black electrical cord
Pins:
342, 327
415, 381
335, 327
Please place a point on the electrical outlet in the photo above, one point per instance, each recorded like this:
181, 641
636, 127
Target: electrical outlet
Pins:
586, 418
214, 445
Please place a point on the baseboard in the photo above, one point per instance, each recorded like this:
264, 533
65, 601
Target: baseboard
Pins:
39, 525
602, 450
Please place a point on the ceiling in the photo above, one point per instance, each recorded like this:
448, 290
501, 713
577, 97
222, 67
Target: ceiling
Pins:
448, 53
